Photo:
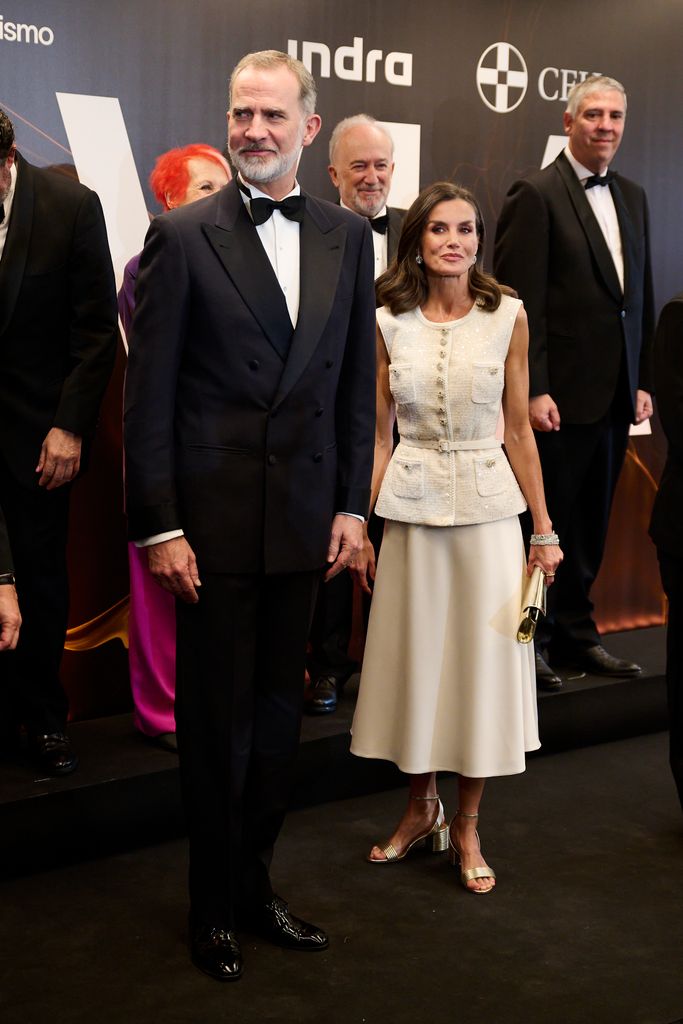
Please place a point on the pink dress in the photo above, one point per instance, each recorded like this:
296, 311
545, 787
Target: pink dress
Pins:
151, 627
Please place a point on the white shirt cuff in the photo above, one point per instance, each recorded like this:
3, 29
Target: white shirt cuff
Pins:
158, 538
354, 515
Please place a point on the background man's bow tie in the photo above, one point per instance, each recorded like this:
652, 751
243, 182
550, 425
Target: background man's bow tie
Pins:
598, 179
380, 224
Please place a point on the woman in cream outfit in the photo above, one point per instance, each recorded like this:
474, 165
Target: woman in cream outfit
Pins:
445, 685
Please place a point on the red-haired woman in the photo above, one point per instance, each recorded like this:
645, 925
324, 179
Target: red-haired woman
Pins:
180, 176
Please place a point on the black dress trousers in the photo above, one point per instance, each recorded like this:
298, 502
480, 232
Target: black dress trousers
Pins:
581, 464
240, 671
37, 524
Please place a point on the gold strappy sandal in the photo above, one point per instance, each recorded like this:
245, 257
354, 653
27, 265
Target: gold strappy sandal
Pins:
455, 859
436, 838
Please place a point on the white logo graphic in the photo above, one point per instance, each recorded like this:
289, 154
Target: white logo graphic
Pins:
18, 32
349, 63
502, 77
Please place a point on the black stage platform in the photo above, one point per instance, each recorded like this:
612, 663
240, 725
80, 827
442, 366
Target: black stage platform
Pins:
125, 793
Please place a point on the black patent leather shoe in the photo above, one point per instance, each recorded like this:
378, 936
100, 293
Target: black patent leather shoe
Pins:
545, 677
600, 662
55, 753
320, 698
275, 923
216, 952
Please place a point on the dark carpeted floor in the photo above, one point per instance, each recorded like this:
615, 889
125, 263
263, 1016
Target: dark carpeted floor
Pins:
586, 924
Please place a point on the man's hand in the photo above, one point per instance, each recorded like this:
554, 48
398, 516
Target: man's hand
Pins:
60, 458
174, 567
643, 406
10, 619
346, 541
543, 413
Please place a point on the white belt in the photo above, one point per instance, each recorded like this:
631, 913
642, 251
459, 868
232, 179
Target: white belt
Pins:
452, 446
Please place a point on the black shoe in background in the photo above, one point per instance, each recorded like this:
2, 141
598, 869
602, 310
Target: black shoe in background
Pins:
54, 753
546, 679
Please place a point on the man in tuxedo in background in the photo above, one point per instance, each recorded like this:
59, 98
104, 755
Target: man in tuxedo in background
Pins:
665, 527
573, 240
249, 431
10, 619
58, 327
361, 168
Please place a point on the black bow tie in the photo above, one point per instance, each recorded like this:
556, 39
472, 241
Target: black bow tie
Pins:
598, 179
380, 224
2, 212
292, 208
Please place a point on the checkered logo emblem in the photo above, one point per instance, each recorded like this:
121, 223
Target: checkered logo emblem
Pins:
502, 77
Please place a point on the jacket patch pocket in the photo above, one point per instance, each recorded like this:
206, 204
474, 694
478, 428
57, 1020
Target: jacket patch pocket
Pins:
408, 480
402, 383
491, 474
487, 382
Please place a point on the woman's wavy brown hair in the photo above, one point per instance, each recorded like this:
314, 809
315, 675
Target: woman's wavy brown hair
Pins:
403, 285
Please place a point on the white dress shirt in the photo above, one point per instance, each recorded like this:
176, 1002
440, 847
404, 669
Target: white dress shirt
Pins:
280, 238
380, 242
602, 205
7, 204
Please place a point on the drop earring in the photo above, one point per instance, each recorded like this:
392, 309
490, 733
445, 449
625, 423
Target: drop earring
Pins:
418, 259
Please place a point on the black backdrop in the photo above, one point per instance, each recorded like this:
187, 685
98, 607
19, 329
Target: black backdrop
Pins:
168, 61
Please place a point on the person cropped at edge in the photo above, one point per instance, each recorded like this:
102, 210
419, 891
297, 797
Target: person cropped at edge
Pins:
361, 168
667, 515
445, 685
248, 435
573, 240
180, 176
58, 330
10, 618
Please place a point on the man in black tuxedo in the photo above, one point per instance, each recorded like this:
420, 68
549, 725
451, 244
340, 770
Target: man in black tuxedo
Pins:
573, 240
58, 342
361, 168
249, 442
10, 619
667, 514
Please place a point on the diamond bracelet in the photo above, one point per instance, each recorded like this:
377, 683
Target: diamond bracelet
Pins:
544, 539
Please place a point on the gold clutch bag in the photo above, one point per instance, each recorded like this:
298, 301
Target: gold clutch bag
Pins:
533, 606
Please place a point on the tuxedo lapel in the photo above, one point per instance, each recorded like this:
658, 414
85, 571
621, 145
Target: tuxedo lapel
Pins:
237, 245
596, 239
321, 256
17, 242
628, 235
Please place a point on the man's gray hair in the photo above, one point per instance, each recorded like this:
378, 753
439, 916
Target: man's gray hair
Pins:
351, 122
594, 83
267, 60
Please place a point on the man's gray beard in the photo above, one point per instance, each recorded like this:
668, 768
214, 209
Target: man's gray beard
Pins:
364, 208
263, 171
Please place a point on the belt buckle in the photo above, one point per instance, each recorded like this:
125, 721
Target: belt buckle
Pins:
444, 446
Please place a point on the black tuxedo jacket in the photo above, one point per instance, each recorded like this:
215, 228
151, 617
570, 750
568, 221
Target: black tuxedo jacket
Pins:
667, 514
6, 564
247, 434
550, 248
58, 318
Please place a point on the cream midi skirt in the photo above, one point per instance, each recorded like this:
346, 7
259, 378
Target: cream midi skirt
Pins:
445, 685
